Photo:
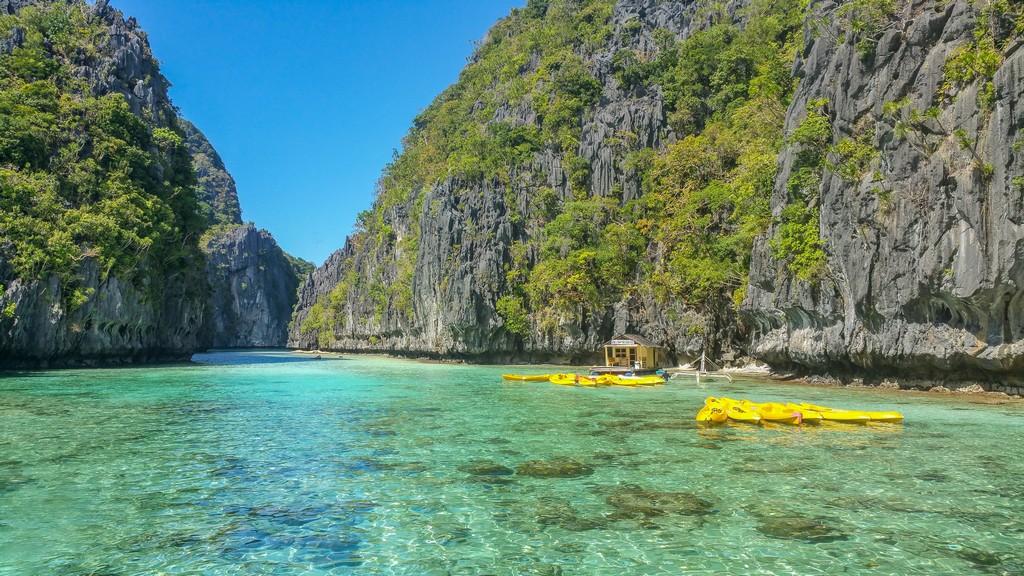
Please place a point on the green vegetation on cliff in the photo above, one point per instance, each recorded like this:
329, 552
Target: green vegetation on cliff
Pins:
81, 176
526, 95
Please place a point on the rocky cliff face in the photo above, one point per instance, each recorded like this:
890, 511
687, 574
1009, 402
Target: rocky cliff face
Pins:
119, 324
216, 189
462, 232
925, 247
244, 297
252, 281
254, 287
896, 253
142, 319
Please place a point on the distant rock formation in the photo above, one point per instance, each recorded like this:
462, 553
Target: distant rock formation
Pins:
254, 286
252, 281
217, 189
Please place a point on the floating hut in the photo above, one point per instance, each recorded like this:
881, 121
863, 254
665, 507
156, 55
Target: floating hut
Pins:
630, 353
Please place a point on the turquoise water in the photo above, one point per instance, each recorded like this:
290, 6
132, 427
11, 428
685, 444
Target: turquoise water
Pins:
273, 463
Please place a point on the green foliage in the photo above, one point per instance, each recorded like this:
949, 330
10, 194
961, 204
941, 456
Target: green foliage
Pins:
717, 69
512, 310
9, 311
922, 129
82, 177
798, 242
813, 135
587, 258
853, 156
578, 171
866, 20
536, 8
997, 24
327, 315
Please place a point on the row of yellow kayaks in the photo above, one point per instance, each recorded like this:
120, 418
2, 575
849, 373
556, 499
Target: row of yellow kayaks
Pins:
717, 410
579, 380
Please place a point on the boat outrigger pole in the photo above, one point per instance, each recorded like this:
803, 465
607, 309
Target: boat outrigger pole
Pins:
702, 370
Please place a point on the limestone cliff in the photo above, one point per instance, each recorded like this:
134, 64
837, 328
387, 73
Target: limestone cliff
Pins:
216, 188
99, 254
892, 234
253, 286
88, 314
431, 282
924, 243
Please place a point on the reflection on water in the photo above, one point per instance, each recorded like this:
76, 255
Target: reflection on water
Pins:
276, 463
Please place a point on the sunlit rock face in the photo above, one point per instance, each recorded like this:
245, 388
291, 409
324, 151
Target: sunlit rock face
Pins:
922, 242
253, 290
926, 248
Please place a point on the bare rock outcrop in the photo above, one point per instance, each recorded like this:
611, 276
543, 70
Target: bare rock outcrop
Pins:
926, 250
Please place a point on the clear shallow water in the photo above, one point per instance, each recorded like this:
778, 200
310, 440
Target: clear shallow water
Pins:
272, 463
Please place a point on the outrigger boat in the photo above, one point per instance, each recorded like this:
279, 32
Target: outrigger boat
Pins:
701, 371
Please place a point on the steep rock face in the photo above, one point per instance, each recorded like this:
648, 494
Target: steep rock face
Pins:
141, 319
119, 324
316, 285
463, 231
926, 250
242, 298
216, 186
252, 281
253, 286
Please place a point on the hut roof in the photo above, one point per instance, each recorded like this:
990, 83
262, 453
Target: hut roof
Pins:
640, 340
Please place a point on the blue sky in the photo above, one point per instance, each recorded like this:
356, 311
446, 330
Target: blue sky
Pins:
306, 99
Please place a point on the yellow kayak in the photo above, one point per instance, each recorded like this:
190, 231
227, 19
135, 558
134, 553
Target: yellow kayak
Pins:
736, 411
712, 412
807, 415
833, 415
775, 412
563, 379
527, 378
786, 413
638, 380
855, 415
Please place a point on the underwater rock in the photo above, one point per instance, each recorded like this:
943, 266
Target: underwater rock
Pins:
553, 511
485, 468
644, 503
979, 558
799, 528
554, 468
933, 476
560, 512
